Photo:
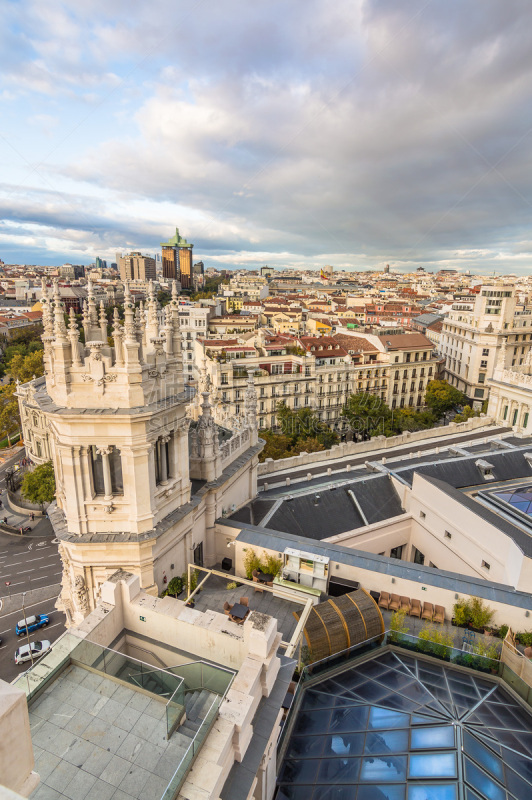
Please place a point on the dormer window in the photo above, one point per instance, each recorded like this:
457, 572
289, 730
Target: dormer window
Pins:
486, 469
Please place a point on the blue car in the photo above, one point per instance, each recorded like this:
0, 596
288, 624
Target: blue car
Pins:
34, 623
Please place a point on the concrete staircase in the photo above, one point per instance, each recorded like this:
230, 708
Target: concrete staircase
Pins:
197, 704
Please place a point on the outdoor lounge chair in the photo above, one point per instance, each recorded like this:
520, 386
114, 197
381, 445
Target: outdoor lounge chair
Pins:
384, 600
415, 608
244, 601
227, 608
405, 604
395, 602
428, 611
439, 614
255, 576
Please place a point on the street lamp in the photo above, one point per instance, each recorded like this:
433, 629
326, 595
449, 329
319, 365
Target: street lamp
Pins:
26, 624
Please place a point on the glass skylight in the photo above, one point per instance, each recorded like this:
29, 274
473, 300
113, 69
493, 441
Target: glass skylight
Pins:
401, 728
520, 499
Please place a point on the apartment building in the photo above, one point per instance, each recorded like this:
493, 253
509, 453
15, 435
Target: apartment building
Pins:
136, 267
244, 288
317, 372
473, 334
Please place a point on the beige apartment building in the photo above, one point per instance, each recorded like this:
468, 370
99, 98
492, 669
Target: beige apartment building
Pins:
474, 333
316, 372
136, 267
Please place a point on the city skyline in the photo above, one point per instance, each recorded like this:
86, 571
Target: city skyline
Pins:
357, 135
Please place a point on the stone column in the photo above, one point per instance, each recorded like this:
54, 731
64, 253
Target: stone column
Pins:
163, 460
107, 484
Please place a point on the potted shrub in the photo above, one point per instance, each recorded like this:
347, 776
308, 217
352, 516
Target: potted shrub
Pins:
480, 615
251, 562
503, 630
461, 613
435, 642
175, 587
486, 651
524, 638
397, 626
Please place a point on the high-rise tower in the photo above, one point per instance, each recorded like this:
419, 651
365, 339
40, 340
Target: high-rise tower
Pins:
177, 260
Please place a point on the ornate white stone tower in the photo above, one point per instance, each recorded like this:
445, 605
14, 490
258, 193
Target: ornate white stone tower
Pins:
116, 413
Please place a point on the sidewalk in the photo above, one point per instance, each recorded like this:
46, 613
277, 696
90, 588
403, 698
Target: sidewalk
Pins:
41, 526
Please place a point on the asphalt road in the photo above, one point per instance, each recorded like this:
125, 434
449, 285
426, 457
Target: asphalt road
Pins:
10, 641
27, 564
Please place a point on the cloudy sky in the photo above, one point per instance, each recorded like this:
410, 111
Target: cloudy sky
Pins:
288, 132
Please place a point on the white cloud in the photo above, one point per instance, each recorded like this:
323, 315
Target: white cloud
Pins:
367, 130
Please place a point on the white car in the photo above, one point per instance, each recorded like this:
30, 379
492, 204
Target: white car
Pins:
38, 649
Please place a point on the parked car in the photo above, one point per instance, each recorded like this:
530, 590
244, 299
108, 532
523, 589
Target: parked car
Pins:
35, 622
38, 649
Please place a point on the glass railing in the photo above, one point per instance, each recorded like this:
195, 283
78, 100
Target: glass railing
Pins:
155, 680
201, 675
519, 686
193, 749
161, 683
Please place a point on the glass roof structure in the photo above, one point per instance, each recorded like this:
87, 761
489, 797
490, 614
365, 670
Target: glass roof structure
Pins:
402, 728
520, 499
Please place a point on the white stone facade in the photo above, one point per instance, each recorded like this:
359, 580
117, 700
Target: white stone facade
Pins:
118, 434
473, 334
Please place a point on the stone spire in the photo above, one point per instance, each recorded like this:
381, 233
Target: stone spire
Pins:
86, 322
103, 323
60, 331
174, 306
47, 316
152, 325
129, 315
93, 314
167, 330
118, 337
73, 335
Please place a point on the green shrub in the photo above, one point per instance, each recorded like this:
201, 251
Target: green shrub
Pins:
175, 586
481, 615
251, 562
397, 626
503, 630
231, 585
525, 638
462, 612
487, 650
271, 564
268, 563
435, 641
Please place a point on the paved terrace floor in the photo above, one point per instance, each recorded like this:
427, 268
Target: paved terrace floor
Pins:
97, 739
214, 593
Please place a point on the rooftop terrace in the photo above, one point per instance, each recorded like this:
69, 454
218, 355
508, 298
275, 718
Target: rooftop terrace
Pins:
97, 738
214, 593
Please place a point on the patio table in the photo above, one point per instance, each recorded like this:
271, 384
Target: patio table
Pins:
264, 577
239, 611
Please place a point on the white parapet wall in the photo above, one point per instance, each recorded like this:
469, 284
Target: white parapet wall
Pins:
338, 451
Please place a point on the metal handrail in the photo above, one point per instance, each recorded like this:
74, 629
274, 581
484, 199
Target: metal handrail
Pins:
145, 650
